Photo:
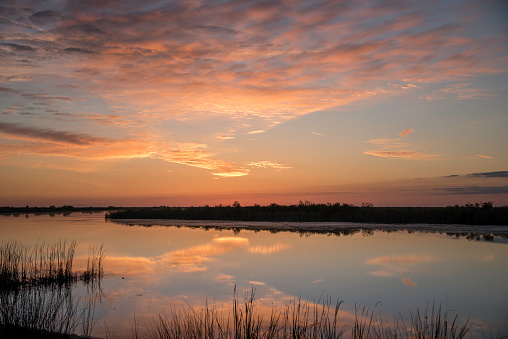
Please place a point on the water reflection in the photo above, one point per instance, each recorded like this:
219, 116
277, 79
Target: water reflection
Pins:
192, 259
401, 266
151, 269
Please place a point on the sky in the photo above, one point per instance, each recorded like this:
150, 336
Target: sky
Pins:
189, 102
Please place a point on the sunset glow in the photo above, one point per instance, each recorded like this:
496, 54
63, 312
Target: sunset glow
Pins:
210, 102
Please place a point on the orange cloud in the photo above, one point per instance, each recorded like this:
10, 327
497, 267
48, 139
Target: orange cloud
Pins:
483, 156
409, 283
405, 132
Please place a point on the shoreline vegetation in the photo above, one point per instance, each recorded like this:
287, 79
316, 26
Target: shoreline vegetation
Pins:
65, 209
469, 214
36, 290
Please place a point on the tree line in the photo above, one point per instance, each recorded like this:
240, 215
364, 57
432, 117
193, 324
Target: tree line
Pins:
468, 214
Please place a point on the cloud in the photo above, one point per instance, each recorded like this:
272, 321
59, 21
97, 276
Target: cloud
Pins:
405, 132
462, 91
194, 154
394, 148
268, 164
32, 133
78, 50
21, 48
225, 277
48, 142
135, 67
401, 154
496, 174
409, 283
225, 137
474, 190
240, 59
483, 156
487, 175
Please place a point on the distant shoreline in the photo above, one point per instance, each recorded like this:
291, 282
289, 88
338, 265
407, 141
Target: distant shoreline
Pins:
470, 214
54, 209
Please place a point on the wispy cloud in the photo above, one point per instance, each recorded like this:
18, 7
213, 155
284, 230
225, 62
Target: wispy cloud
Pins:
462, 91
31, 133
268, 164
496, 174
473, 190
33, 141
241, 59
195, 154
394, 148
101, 80
401, 154
483, 156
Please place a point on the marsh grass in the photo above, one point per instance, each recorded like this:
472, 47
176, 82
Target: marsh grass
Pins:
43, 264
94, 268
36, 285
40, 264
38, 311
302, 320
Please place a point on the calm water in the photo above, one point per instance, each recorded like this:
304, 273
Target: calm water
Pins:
151, 269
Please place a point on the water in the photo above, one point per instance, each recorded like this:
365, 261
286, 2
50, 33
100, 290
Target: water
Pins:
151, 269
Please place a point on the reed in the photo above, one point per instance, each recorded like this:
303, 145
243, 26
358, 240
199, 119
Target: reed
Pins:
94, 268
42, 311
36, 284
43, 264
303, 320
21, 264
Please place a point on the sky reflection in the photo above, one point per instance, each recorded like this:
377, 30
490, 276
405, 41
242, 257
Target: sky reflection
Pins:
151, 269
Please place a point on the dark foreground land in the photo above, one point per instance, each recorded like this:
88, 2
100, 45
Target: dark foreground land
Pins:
469, 214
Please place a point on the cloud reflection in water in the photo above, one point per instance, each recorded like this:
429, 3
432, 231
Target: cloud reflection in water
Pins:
399, 266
